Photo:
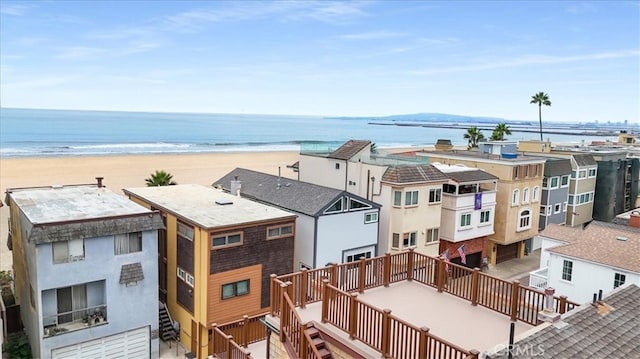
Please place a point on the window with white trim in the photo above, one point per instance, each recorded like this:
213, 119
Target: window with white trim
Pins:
619, 279
570, 199
592, 172
525, 195
190, 280
485, 216
557, 208
545, 182
186, 277
549, 210
564, 206
409, 239
279, 231
543, 210
435, 195
536, 194
181, 273
554, 182
68, 251
397, 198
355, 204
395, 242
564, 181
567, 270
235, 289
128, 243
465, 220
371, 217
226, 240
524, 219
582, 174
515, 198
411, 198
433, 235
336, 207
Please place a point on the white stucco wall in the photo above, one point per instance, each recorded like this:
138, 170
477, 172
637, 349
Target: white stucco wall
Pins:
453, 207
587, 278
343, 231
303, 248
545, 244
322, 171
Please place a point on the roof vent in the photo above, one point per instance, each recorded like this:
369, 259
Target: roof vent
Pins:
224, 202
620, 238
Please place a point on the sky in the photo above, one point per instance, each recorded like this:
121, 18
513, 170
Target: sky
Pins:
369, 58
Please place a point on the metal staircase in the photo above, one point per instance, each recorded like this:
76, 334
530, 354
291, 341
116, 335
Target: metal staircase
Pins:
167, 331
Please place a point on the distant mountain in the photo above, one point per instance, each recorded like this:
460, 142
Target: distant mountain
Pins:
431, 117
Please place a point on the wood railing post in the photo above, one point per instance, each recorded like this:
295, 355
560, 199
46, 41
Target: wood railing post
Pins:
563, 304
473, 354
386, 269
212, 345
410, 264
284, 315
303, 341
229, 347
362, 270
386, 333
422, 349
334, 274
304, 287
475, 285
515, 291
245, 331
353, 315
441, 274
325, 300
290, 292
273, 294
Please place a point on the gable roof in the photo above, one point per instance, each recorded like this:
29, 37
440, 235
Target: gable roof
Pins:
297, 196
584, 159
598, 242
557, 166
349, 149
405, 174
587, 333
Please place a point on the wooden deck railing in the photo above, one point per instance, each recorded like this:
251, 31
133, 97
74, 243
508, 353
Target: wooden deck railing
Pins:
292, 330
247, 330
222, 346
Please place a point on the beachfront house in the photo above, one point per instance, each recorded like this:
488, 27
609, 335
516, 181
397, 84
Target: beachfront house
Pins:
333, 226
218, 253
555, 192
83, 258
579, 261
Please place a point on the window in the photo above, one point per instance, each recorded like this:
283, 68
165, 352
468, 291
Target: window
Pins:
554, 182
411, 198
71, 303
355, 204
235, 289
592, 172
182, 274
335, 207
543, 210
185, 231
435, 195
186, 277
190, 280
564, 181
371, 217
485, 217
545, 182
515, 172
395, 243
557, 208
397, 198
433, 235
536, 194
279, 231
570, 199
358, 256
68, 251
619, 280
516, 197
582, 174
224, 240
409, 239
524, 220
337, 166
465, 220
525, 195
564, 206
567, 270
128, 243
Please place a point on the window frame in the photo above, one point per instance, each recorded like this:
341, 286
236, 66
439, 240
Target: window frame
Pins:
595, 172
619, 279
525, 195
430, 233
411, 239
465, 223
368, 217
395, 241
564, 206
279, 227
487, 214
526, 218
411, 198
138, 237
397, 198
536, 194
557, 208
435, 195
235, 289
562, 181
69, 258
185, 233
515, 197
567, 270
555, 179
226, 237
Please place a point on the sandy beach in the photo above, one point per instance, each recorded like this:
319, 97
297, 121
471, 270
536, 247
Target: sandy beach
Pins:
128, 171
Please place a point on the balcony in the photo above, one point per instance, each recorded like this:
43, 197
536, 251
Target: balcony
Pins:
74, 320
467, 200
539, 278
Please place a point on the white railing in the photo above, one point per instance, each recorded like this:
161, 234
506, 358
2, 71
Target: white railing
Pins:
539, 278
74, 320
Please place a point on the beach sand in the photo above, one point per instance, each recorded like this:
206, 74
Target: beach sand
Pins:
128, 171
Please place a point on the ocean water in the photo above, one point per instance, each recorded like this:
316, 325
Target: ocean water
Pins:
41, 133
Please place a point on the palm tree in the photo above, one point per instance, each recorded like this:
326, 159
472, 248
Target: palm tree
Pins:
474, 136
499, 132
540, 98
160, 178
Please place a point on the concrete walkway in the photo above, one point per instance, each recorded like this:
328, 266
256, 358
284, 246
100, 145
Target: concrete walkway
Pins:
517, 269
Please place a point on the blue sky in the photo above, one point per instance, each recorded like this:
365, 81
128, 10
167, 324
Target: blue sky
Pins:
325, 58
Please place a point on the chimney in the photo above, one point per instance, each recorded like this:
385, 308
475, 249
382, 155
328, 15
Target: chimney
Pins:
236, 186
99, 179
548, 314
634, 219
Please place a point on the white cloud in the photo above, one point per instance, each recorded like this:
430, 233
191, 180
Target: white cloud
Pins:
14, 9
372, 35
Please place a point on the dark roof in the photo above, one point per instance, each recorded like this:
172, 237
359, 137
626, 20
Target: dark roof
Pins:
585, 159
611, 330
413, 174
130, 273
474, 175
297, 196
349, 149
557, 167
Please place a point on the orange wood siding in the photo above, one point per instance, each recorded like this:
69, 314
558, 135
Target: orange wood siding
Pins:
221, 311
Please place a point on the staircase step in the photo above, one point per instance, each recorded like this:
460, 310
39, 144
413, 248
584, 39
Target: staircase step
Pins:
325, 353
316, 342
313, 332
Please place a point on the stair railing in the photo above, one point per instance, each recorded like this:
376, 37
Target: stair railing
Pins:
170, 319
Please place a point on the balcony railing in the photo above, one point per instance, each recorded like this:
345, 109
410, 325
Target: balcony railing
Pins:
74, 320
539, 278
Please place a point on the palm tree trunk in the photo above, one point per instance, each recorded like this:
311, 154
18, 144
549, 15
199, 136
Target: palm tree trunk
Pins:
540, 116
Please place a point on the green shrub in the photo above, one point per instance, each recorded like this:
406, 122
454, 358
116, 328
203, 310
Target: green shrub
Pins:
17, 346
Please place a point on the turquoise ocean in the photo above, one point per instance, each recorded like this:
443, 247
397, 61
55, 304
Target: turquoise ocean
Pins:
55, 133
